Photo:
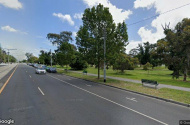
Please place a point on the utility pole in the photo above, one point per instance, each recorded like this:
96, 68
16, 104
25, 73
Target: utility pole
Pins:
51, 58
104, 54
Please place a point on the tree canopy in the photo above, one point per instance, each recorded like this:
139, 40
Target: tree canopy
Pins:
98, 26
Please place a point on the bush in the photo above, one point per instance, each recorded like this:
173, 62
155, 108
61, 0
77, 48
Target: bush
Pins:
147, 66
78, 63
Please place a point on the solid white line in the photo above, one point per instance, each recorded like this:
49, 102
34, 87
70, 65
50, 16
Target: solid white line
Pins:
41, 91
111, 101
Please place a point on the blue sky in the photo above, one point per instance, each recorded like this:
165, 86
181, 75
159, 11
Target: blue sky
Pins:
24, 24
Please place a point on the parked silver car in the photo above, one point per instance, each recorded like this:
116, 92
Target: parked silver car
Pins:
40, 71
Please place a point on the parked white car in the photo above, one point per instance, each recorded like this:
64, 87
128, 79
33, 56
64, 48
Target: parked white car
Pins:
40, 71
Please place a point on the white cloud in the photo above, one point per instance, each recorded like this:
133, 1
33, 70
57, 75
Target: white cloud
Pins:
14, 4
161, 6
64, 18
119, 15
8, 28
144, 3
132, 45
74, 34
78, 15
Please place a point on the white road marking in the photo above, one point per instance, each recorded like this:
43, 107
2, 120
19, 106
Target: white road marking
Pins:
30, 76
111, 101
41, 91
132, 99
88, 85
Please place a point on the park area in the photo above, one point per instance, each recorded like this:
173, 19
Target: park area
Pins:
160, 74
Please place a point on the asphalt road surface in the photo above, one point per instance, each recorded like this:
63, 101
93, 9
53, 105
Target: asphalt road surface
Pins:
55, 99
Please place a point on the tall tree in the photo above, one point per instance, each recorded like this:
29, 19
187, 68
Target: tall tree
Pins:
145, 52
179, 47
28, 55
98, 26
65, 50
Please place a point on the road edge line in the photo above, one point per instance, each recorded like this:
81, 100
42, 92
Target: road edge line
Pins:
142, 94
142, 114
5, 84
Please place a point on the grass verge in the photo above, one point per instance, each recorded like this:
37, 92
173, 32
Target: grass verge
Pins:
160, 74
176, 95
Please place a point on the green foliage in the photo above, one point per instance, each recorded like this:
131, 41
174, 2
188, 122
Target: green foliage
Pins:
65, 50
123, 62
28, 56
78, 63
58, 39
98, 26
147, 53
45, 57
31, 58
147, 66
65, 54
178, 41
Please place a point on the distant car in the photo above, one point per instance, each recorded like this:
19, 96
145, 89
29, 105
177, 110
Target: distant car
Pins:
51, 70
30, 64
44, 66
40, 71
36, 65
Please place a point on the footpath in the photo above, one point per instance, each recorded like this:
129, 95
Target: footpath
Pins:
139, 82
4, 70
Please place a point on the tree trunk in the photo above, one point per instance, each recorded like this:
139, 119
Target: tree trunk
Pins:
185, 75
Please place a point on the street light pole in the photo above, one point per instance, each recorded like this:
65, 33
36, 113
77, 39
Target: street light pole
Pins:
51, 58
104, 54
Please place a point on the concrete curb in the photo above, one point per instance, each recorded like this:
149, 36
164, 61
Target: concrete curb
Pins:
159, 98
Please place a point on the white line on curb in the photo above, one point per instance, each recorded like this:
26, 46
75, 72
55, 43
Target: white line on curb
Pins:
41, 91
111, 101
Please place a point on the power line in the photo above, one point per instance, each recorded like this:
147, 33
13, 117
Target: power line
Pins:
158, 14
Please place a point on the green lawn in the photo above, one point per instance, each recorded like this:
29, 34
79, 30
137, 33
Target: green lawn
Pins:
176, 95
160, 74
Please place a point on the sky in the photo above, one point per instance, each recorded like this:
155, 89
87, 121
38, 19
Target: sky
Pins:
24, 24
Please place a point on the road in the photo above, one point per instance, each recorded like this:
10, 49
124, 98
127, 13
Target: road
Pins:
55, 99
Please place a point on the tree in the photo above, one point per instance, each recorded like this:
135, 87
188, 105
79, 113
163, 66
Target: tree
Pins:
179, 47
98, 26
65, 54
144, 52
78, 63
162, 51
147, 66
123, 62
45, 57
58, 39
65, 50
28, 56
